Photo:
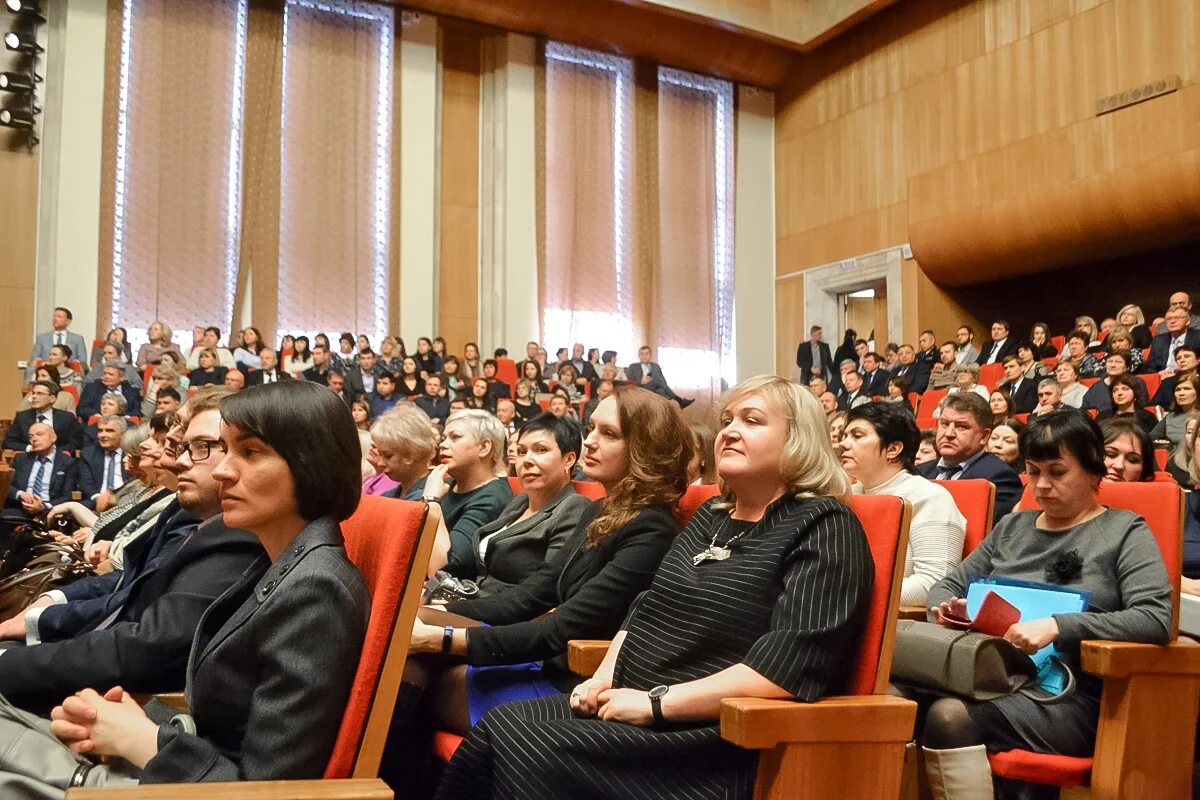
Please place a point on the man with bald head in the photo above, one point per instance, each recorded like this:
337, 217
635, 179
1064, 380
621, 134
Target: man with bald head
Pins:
1181, 300
42, 476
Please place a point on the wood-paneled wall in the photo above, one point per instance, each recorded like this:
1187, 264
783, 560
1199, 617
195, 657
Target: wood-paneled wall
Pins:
948, 123
458, 234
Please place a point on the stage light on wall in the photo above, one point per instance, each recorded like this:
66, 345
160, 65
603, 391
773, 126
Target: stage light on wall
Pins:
20, 117
22, 42
24, 6
18, 82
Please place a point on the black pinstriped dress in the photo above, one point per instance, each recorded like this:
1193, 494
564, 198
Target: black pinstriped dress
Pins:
788, 603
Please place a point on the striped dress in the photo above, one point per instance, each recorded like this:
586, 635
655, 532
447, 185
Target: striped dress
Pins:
789, 603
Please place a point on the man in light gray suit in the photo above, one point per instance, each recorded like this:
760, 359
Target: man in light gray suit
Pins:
58, 335
648, 375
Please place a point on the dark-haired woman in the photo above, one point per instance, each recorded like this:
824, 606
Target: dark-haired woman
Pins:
531, 372
539, 521
1079, 544
300, 358
1039, 339
1128, 451
1186, 400
1123, 394
638, 448
409, 382
729, 614
254, 665
877, 450
246, 355
428, 362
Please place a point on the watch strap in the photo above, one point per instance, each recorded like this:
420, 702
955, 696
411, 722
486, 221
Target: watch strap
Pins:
447, 639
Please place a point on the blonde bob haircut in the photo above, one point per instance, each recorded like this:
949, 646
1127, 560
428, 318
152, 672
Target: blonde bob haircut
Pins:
1138, 317
485, 427
406, 428
809, 467
165, 333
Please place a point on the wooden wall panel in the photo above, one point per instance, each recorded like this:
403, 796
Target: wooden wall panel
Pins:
458, 235
967, 128
789, 324
18, 263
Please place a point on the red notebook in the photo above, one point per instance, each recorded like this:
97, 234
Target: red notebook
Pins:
996, 615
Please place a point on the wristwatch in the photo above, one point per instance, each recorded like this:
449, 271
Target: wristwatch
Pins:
656, 696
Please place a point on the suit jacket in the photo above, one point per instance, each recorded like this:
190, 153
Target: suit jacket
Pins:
657, 384
89, 401
317, 376
928, 358
590, 590
91, 472
93, 599
257, 377
145, 648
354, 381
1009, 348
966, 355
496, 390
915, 374
847, 399
990, 468
1025, 398
875, 384
267, 703
438, 408
1160, 349
522, 547
62, 482
804, 360
44, 341
66, 427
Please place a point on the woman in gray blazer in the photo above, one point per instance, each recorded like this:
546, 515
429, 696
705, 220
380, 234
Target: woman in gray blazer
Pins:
274, 658
538, 522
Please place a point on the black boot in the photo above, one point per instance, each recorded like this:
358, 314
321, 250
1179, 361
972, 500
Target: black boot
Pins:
406, 757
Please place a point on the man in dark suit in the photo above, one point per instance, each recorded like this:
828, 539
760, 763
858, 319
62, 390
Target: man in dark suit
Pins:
141, 637
1165, 346
101, 465
962, 434
112, 381
1022, 390
648, 375
927, 350
1000, 347
42, 395
854, 391
42, 477
322, 366
269, 372
874, 376
432, 403
912, 369
583, 367
337, 384
813, 357
360, 378
385, 397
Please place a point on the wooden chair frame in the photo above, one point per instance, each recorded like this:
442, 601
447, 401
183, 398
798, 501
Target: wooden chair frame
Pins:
850, 747
363, 783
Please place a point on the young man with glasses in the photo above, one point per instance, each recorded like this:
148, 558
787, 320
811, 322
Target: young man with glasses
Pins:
41, 396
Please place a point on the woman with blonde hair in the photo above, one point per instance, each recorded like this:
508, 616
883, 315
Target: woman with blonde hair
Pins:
638, 449
164, 376
1131, 317
159, 335
391, 355
728, 614
405, 444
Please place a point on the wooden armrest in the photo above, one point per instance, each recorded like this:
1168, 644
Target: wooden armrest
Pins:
1122, 659
755, 723
354, 789
584, 655
917, 613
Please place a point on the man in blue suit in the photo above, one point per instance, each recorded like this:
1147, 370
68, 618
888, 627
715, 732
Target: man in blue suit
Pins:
875, 377
42, 395
57, 335
101, 465
112, 381
1165, 346
962, 434
42, 476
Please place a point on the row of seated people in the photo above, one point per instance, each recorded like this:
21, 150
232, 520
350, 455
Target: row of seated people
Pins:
708, 625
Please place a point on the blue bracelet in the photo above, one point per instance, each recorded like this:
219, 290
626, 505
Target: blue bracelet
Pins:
447, 639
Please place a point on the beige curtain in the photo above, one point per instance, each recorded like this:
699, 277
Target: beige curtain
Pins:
169, 209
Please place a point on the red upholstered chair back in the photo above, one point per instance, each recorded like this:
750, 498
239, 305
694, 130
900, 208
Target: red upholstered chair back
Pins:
1152, 381
929, 401
693, 498
1161, 456
991, 375
72, 390
589, 489
976, 499
514, 483
1059, 342
390, 542
885, 519
1160, 504
506, 371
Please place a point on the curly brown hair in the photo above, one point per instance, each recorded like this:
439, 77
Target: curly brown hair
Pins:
658, 447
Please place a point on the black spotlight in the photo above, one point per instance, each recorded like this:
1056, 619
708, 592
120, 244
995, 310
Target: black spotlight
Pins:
17, 117
24, 6
17, 82
22, 42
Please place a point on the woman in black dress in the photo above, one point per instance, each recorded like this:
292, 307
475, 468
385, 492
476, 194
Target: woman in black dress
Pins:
729, 614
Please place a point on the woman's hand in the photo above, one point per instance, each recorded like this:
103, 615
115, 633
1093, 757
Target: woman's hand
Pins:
109, 725
1029, 637
585, 698
425, 638
97, 552
1190, 586
62, 509
435, 483
954, 607
625, 705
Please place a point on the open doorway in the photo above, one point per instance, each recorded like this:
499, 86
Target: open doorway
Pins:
865, 311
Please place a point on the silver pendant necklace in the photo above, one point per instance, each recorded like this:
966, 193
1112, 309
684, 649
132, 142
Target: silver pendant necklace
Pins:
715, 552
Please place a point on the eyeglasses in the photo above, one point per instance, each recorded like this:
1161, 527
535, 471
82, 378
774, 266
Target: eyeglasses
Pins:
198, 449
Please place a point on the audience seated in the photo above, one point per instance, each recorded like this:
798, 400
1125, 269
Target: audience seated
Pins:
1076, 352
1120, 341
943, 373
64, 401
268, 370
210, 340
163, 377
1073, 392
730, 634
1130, 601
112, 381
119, 337
1186, 400
432, 402
913, 370
1124, 402
361, 375
235, 380
1000, 347
877, 450
110, 354
409, 382
1004, 443
322, 365
874, 375
472, 364
1179, 463
1128, 451
1031, 366
1040, 344
638, 449
41, 397
406, 445
385, 397
208, 371
159, 341
1099, 394
526, 404
963, 431
855, 393
246, 353
1186, 362
496, 387
1001, 405
1166, 344
428, 362
59, 333
43, 476
1181, 300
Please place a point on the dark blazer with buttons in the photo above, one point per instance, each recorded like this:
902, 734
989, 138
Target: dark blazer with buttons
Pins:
271, 668
518, 552
62, 482
66, 427
257, 377
990, 468
91, 472
1009, 348
1024, 398
1160, 347
804, 360
916, 375
875, 383
590, 590
145, 647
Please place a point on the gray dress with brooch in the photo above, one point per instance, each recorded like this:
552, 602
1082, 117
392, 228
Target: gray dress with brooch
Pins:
789, 603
